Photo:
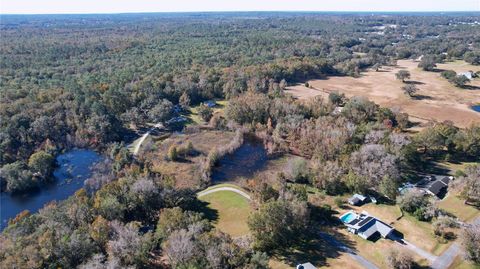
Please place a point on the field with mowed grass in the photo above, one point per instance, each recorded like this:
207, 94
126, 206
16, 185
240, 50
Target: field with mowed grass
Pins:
456, 206
229, 211
460, 263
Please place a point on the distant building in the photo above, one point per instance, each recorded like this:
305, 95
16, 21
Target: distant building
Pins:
357, 199
366, 226
338, 110
210, 103
468, 74
306, 266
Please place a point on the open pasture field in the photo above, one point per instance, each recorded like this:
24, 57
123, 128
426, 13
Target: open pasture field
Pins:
436, 99
231, 211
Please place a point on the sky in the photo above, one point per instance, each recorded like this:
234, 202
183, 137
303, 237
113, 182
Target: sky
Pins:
125, 6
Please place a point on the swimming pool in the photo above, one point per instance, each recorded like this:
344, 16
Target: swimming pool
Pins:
348, 217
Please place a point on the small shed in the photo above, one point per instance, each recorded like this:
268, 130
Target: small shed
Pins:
357, 199
306, 266
210, 103
468, 75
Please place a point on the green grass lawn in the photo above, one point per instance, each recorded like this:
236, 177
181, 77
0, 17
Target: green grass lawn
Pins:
452, 167
457, 207
232, 212
460, 263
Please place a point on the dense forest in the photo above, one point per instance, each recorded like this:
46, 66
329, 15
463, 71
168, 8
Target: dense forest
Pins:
91, 80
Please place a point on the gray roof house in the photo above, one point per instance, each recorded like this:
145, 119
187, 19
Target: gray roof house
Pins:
366, 226
357, 199
439, 187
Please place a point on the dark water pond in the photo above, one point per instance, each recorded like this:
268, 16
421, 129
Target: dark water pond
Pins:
476, 108
73, 168
244, 162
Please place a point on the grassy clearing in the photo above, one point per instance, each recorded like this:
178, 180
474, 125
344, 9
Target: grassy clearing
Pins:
453, 167
195, 118
437, 99
460, 263
417, 232
453, 204
232, 212
186, 172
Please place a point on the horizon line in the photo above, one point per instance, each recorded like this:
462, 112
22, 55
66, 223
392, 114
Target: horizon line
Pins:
242, 11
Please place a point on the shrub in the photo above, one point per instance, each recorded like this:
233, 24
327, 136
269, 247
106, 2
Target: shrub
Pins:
339, 202
172, 153
297, 169
399, 259
205, 112
471, 243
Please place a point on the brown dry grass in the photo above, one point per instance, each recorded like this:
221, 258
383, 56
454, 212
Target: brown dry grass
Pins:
436, 99
186, 171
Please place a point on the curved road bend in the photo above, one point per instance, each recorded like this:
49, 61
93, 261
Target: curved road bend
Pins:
242, 193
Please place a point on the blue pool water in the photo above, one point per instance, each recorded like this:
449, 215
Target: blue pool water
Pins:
348, 217
476, 108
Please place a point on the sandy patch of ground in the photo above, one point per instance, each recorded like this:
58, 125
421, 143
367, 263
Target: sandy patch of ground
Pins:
436, 99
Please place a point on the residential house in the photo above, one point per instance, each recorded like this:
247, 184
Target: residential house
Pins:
366, 226
439, 187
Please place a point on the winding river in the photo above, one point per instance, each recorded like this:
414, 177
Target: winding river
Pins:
73, 169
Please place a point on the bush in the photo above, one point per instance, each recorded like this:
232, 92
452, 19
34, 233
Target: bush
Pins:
441, 226
399, 259
427, 63
298, 170
205, 112
339, 202
336, 98
449, 74
412, 201
471, 243
172, 153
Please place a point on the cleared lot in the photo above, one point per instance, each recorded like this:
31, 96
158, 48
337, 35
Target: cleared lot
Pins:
436, 99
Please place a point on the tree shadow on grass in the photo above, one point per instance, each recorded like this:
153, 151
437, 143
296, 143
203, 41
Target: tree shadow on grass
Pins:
434, 168
470, 87
414, 82
421, 97
203, 207
316, 249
